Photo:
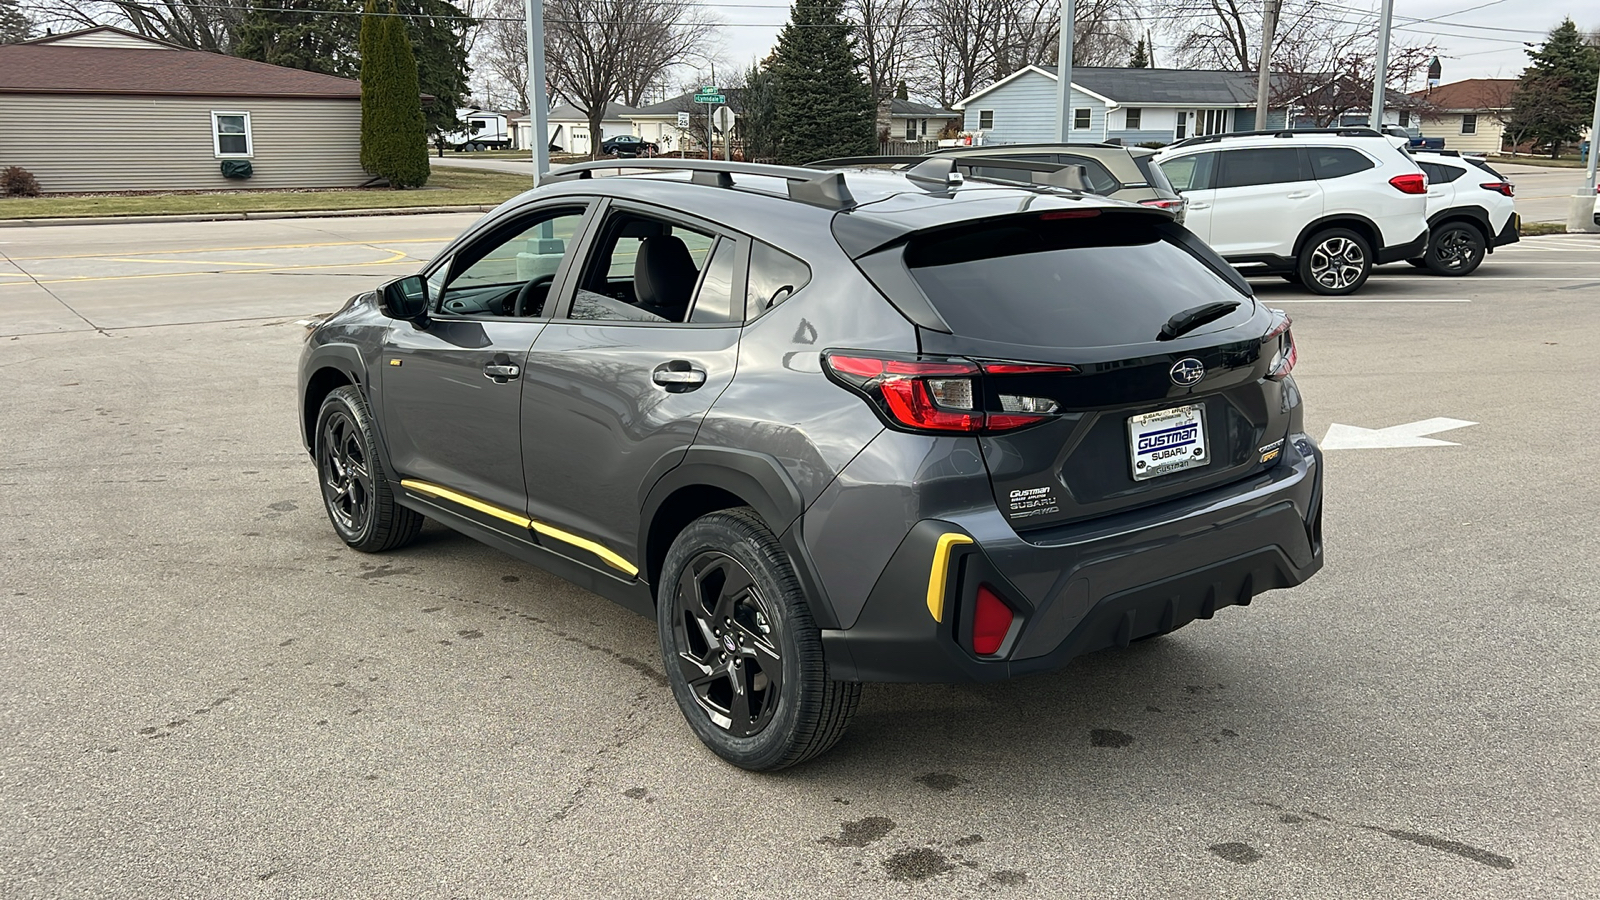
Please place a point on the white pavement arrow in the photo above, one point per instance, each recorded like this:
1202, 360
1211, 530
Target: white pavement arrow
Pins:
1351, 437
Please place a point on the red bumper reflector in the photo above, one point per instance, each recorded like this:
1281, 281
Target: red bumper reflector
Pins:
990, 622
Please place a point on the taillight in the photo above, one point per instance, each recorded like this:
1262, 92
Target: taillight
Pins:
942, 394
1410, 183
1499, 187
1286, 355
991, 620
1164, 203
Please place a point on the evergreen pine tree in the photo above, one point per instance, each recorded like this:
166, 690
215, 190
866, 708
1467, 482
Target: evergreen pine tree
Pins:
393, 136
758, 112
901, 92
14, 24
824, 108
437, 30
1140, 58
1555, 95
313, 35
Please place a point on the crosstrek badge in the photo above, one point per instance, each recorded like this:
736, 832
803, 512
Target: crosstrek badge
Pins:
1027, 502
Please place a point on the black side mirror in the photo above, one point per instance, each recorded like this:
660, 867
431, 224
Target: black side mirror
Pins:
406, 298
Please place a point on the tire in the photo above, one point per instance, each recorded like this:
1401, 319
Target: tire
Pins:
1334, 262
355, 486
1455, 249
731, 614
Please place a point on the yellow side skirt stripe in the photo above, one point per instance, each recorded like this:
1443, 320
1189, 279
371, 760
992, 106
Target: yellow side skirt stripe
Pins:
566, 537
941, 571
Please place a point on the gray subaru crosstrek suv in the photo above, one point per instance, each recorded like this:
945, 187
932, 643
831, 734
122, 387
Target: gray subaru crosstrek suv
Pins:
830, 427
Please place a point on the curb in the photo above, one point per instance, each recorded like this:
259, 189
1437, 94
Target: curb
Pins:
242, 216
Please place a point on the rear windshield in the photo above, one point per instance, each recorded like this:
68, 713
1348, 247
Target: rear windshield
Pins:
1105, 280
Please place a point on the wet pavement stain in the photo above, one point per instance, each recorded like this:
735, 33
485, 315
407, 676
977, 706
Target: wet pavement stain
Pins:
1291, 819
1109, 737
284, 506
510, 579
861, 833
1008, 878
940, 781
1466, 851
470, 634
969, 840
385, 571
636, 793
916, 864
1236, 852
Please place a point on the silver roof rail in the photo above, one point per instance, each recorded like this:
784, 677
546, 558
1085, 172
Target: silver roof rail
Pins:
823, 189
948, 169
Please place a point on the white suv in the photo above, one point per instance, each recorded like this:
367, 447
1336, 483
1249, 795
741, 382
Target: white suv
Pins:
1318, 207
1470, 212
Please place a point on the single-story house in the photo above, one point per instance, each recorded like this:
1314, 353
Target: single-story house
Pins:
1470, 115
913, 121
658, 122
569, 127
1134, 106
104, 109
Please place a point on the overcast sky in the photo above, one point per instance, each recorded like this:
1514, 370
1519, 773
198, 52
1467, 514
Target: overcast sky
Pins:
1480, 43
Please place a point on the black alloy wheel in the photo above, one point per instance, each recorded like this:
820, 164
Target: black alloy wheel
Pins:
1455, 248
726, 650
355, 487
741, 650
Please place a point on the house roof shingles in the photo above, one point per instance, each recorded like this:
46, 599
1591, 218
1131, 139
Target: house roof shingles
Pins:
48, 69
1469, 95
910, 108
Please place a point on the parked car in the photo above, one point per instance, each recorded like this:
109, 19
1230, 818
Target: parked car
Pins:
1470, 212
1319, 207
1111, 170
830, 427
628, 145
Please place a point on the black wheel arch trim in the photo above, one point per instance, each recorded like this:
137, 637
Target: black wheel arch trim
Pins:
761, 482
1474, 213
1374, 234
346, 359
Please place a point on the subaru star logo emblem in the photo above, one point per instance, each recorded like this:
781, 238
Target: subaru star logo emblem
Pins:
1187, 372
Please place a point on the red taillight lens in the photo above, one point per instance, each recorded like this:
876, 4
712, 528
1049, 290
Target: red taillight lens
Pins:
1286, 354
990, 622
1410, 183
1163, 203
1499, 187
942, 395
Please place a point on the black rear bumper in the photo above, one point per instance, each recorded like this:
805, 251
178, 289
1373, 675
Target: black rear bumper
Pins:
1510, 234
1409, 250
1156, 571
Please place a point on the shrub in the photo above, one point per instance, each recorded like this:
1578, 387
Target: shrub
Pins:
15, 181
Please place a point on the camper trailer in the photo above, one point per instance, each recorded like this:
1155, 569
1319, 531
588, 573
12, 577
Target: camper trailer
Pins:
481, 129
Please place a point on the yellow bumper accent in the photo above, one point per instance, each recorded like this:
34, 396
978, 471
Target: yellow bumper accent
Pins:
566, 537
941, 571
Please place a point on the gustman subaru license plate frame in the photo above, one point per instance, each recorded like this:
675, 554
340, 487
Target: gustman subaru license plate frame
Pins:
1167, 441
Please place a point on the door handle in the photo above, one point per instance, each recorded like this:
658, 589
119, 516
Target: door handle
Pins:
1299, 195
1194, 206
678, 375
500, 373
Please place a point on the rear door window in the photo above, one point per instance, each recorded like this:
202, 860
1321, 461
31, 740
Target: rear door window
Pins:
1190, 173
1262, 165
1108, 279
1337, 162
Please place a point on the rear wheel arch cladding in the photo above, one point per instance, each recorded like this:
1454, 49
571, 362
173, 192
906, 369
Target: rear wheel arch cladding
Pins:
1367, 230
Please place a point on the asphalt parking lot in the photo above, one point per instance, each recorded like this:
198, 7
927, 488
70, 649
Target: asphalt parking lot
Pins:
204, 694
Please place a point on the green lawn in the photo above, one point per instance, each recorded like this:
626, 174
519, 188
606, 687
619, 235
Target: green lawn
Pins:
446, 187
1532, 229
1565, 162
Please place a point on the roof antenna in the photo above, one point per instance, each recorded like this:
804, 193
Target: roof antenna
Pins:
937, 174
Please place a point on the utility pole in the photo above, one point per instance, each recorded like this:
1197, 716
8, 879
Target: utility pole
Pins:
1064, 71
1381, 76
538, 103
1269, 26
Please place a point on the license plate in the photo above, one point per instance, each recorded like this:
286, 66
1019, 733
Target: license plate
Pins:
1167, 441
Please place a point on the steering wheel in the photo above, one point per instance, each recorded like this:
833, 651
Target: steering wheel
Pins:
519, 308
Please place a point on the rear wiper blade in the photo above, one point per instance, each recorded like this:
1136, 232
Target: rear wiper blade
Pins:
1194, 317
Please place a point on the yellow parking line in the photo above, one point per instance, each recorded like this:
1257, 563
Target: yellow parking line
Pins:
439, 240
185, 262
